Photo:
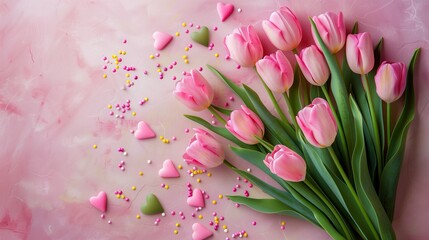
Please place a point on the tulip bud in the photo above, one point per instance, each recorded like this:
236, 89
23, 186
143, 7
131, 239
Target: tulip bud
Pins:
331, 29
245, 125
360, 52
283, 29
204, 150
390, 81
194, 91
244, 46
318, 123
276, 71
286, 164
313, 65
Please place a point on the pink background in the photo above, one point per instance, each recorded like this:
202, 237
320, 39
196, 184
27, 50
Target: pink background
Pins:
53, 108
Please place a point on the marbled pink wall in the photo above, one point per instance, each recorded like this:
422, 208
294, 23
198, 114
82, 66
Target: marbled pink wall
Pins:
53, 102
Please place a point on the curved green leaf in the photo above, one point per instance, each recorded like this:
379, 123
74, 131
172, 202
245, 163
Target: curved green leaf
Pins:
222, 110
395, 152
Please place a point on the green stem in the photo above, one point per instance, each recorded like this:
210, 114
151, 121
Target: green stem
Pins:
273, 99
331, 207
340, 128
291, 110
266, 144
216, 114
388, 114
352, 191
374, 123
303, 84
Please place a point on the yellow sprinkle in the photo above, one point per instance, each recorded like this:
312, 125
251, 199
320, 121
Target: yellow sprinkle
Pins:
167, 187
122, 196
200, 216
183, 24
124, 53
177, 224
118, 196
200, 171
167, 141
186, 49
133, 113
177, 34
185, 57
117, 67
161, 137
104, 75
209, 174
194, 172
214, 202
164, 140
220, 196
283, 223
114, 56
151, 56
216, 54
186, 61
146, 99
141, 173
198, 180
109, 106
94, 146
116, 62
138, 216
133, 188
224, 227
217, 221
128, 81
179, 166
216, 218
245, 235
159, 70
127, 75
175, 232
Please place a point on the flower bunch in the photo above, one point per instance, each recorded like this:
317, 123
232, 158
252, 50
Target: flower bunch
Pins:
338, 159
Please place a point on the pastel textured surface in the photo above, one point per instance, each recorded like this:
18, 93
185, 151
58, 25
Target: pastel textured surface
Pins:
53, 100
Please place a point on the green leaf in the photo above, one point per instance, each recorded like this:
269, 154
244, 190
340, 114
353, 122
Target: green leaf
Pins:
395, 152
222, 110
223, 132
294, 93
283, 196
272, 124
238, 90
364, 187
338, 88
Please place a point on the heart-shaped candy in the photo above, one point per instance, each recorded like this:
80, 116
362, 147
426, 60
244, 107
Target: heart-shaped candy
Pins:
144, 131
161, 40
224, 10
202, 37
197, 199
168, 170
152, 206
99, 201
199, 232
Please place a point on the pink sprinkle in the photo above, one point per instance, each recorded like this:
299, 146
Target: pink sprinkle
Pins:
187, 31
123, 168
184, 73
123, 162
161, 77
211, 45
127, 199
105, 58
214, 214
282, 227
237, 186
238, 178
250, 185
162, 185
234, 189
174, 63
200, 69
186, 130
180, 213
102, 216
157, 220
226, 104
193, 214
191, 24
120, 192
198, 26
227, 57
121, 149
190, 45
214, 28
109, 222
254, 223
173, 213
132, 131
125, 41
182, 217
156, 223
114, 70
210, 48
174, 138
246, 181
119, 59
157, 54
158, 65
238, 67
170, 66
221, 218
211, 223
111, 113
145, 72
104, 67
125, 68
136, 77
214, 122
165, 69
237, 205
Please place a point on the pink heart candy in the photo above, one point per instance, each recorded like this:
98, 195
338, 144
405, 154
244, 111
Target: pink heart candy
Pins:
144, 131
224, 10
99, 201
199, 232
168, 170
197, 199
161, 40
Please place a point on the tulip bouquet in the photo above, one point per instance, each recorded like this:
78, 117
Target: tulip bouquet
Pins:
336, 159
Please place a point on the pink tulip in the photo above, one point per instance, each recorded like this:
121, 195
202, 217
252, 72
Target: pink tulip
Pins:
283, 29
318, 123
243, 46
204, 150
313, 65
245, 125
390, 81
194, 91
276, 71
360, 52
332, 30
286, 164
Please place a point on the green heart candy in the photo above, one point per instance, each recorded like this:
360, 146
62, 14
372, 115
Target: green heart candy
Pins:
202, 37
152, 206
